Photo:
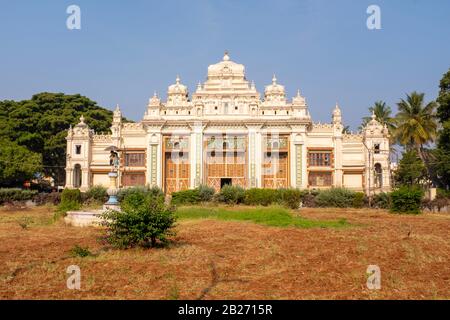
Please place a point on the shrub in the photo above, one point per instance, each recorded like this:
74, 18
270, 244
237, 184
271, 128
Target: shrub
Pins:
206, 193
261, 197
153, 191
97, 193
71, 195
406, 200
335, 197
190, 196
78, 251
381, 201
290, 198
358, 199
70, 200
231, 194
308, 200
16, 194
143, 220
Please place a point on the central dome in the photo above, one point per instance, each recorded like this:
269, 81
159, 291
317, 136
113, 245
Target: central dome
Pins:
226, 68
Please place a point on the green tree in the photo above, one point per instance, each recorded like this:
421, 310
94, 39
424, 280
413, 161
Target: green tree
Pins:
443, 111
17, 164
40, 125
411, 170
417, 126
346, 130
442, 152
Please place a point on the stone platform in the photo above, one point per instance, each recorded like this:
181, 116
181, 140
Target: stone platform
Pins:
83, 218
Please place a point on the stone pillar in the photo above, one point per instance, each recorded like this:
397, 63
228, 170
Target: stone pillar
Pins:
69, 178
338, 174
254, 156
196, 155
85, 179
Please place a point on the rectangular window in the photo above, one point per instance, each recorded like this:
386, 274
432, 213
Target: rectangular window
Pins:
135, 159
319, 158
376, 148
320, 179
78, 149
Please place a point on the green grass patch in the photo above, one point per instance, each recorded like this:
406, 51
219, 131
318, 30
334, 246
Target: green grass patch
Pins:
274, 216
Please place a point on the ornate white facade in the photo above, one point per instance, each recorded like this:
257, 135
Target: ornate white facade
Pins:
225, 133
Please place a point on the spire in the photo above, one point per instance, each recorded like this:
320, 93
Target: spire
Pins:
226, 57
298, 93
117, 108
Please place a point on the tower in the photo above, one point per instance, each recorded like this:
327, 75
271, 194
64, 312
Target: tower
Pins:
79, 140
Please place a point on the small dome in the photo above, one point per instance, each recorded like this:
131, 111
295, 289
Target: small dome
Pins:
155, 100
274, 88
178, 88
337, 111
298, 99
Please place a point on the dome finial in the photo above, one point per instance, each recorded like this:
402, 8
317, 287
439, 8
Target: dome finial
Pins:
82, 119
274, 79
177, 80
374, 117
226, 56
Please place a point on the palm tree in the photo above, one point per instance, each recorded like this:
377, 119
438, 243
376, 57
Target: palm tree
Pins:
346, 129
383, 115
416, 124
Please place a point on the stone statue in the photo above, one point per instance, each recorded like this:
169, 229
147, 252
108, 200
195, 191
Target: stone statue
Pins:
114, 159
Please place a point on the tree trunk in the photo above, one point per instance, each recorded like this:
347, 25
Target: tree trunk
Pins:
422, 157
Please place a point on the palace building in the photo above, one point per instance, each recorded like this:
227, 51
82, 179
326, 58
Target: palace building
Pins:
226, 132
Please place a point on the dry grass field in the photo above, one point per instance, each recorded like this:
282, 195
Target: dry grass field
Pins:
216, 259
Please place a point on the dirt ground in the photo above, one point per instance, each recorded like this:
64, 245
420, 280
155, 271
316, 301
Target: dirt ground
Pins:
232, 260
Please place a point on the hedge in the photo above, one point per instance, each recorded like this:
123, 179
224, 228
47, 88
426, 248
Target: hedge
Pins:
16, 194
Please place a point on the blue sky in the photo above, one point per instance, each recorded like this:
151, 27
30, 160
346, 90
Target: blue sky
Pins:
128, 49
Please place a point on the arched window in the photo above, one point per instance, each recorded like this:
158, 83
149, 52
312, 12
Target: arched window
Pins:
378, 173
77, 176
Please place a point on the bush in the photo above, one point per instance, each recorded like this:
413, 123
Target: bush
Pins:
335, 197
69, 195
190, 196
291, 198
144, 220
206, 193
153, 191
16, 194
231, 194
381, 201
309, 201
260, 197
358, 199
78, 251
97, 193
70, 201
406, 200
